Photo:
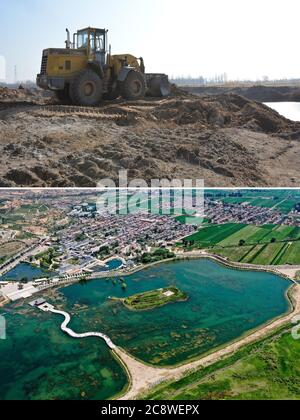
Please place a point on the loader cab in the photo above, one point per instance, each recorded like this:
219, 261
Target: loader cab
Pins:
95, 42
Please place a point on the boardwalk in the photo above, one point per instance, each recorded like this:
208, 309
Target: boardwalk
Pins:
64, 326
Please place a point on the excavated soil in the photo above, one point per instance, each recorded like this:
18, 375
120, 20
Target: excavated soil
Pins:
261, 93
227, 140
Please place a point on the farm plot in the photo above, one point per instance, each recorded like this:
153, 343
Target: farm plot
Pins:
235, 254
280, 257
280, 233
10, 248
248, 258
215, 234
246, 234
286, 206
260, 234
295, 234
268, 254
292, 255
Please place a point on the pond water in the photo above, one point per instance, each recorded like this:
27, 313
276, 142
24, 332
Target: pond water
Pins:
290, 110
25, 270
38, 361
111, 265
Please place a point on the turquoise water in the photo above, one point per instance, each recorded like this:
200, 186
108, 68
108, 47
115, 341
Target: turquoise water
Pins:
38, 361
25, 270
223, 304
111, 265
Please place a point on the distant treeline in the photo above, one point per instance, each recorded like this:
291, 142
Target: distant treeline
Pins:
222, 79
28, 84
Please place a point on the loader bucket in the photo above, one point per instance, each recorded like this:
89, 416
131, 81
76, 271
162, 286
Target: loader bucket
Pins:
158, 85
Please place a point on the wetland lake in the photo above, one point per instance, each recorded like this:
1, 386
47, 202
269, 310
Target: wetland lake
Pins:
38, 361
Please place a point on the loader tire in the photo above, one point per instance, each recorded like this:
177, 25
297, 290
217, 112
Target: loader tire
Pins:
86, 89
63, 96
112, 95
134, 87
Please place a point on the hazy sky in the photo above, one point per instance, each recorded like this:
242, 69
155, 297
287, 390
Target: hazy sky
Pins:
246, 39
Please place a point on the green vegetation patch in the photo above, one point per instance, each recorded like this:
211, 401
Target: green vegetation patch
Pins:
242, 235
235, 254
280, 233
154, 299
292, 254
268, 370
268, 254
46, 258
191, 220
278, 253
156, 256
295, 234
214, 234
282, 201
261, 245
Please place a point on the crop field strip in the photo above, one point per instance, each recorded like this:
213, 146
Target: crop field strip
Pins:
282, 204
215, 234
266, 256
266, 245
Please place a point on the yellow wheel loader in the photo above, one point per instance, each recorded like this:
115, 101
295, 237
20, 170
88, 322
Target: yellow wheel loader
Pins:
85, 72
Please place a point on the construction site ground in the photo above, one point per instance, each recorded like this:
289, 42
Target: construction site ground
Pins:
227, 140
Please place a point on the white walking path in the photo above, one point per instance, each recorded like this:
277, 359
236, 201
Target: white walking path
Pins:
71, 333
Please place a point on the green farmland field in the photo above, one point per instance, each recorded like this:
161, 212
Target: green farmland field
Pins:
235, 254
280, 253
214, 234
280, 233
246, 234
268, 254
292, 255
295, 234
248, 258
281, 201
265, 245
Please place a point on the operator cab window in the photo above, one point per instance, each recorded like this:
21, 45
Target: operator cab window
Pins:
92, 41
100, 47
83, 39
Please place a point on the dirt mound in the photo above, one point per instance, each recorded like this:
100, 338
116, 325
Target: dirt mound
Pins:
6, 93
34, 95
227, 140
259, 93
224, 111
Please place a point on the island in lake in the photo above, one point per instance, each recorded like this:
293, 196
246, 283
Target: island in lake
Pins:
153, 299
